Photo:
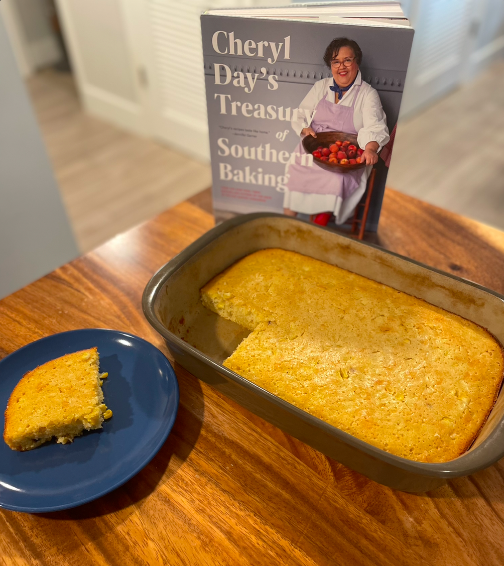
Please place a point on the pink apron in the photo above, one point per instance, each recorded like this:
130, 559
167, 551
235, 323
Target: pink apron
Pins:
328, 117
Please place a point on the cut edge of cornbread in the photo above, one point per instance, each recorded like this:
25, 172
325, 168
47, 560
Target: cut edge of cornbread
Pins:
227, 305
61, 398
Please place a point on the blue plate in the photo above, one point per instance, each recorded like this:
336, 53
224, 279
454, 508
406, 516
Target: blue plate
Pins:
142, 392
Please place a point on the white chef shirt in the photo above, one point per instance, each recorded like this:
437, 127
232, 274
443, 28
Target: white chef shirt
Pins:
369, 118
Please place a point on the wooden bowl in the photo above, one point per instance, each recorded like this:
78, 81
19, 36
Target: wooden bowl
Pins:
325, 139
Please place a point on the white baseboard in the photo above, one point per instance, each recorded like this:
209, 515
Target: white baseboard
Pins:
483, 57
114, 109
487, 53
44, 52
182, 132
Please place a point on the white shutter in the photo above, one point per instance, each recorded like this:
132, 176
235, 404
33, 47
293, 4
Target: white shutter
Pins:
442, 42
177, 87
439, 50
178, 63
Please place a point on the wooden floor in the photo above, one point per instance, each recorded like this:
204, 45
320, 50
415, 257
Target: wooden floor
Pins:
110, 180
450, 155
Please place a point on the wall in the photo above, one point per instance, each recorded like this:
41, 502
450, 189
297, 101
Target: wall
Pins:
100, 33
488, 31
97, 39
35, 234
34, 17
32, 38
470, 33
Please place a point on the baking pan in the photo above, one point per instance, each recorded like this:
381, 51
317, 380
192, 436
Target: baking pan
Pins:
200, 340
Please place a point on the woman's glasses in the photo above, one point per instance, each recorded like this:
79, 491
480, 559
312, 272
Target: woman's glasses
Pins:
346, 62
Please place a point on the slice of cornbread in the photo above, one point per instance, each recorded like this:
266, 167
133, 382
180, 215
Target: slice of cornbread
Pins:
386, 367
60, 398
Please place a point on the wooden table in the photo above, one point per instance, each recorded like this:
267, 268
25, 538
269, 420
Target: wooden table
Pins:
227, 487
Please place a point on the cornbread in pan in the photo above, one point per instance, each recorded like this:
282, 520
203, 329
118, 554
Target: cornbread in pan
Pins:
381, 365
60, 398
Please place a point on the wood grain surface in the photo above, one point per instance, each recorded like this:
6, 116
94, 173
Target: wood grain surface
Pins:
226, 487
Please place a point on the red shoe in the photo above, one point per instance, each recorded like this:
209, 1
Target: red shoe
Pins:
322, 219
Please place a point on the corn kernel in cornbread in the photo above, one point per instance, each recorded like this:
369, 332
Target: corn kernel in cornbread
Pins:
60, 398
390, 369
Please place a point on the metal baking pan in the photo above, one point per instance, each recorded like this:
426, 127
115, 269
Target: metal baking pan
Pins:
201, 340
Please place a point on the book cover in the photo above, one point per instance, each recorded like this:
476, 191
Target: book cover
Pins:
272, 84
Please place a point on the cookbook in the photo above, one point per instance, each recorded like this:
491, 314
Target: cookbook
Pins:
302, 105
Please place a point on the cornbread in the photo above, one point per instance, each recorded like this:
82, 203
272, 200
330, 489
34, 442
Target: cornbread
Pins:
60, 398
381, 365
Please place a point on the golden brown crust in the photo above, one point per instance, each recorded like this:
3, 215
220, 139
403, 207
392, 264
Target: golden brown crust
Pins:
389, 368
60, 398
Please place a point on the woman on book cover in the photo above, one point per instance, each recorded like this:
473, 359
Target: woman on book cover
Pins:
343, 103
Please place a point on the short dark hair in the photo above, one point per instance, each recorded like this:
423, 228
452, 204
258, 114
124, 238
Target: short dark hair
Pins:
336, 44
